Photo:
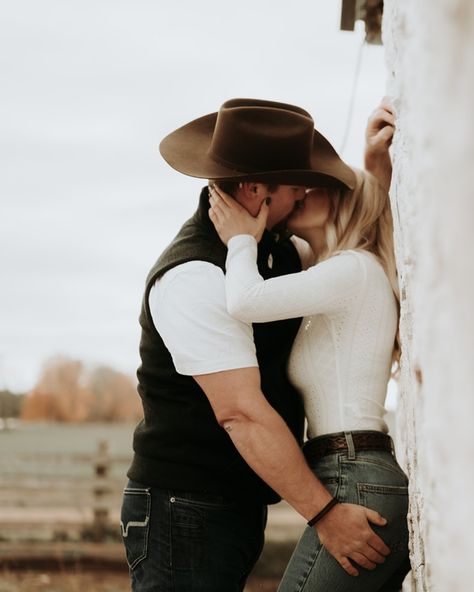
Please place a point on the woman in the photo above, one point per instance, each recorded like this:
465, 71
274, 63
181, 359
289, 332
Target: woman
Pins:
341, 358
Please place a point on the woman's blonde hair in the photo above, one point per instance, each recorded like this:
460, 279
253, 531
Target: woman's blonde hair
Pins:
362, 219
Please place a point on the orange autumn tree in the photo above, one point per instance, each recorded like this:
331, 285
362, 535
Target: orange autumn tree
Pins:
115, 396
70, 392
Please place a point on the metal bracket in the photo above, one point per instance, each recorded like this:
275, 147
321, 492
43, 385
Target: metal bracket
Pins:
369, 11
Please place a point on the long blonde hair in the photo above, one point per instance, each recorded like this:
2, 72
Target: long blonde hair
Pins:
362, 219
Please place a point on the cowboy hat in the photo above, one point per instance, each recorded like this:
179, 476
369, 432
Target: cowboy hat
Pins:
260, 140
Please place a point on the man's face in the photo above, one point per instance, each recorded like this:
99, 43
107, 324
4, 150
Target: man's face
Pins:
283, 202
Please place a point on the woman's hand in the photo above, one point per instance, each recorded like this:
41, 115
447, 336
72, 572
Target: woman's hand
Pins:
380, 128
378, 138
230, 218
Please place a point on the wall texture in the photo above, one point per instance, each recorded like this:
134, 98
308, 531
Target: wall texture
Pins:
430, 57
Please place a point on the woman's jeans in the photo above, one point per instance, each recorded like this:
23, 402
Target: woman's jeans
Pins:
189, 542
372, 479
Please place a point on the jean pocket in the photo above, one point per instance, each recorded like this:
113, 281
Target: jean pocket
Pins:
135, 523
391, 502
388, 466
204, 501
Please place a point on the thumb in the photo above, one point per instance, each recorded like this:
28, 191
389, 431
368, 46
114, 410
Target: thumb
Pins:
263, 212
262, 218
375, 517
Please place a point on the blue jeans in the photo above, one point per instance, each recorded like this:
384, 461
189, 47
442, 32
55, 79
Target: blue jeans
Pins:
372, 479
189, 542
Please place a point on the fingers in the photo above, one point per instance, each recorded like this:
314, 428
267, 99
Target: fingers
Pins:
264, 209
374, 540
262, 217
385, 115
385, 134
347, 566
386, 103
375, 517
223, 198
216, 200
378, 546
215, 211
372, 555
219, 210
379, 117
367, 558
214, 217
218, 194
364, 561
379, 134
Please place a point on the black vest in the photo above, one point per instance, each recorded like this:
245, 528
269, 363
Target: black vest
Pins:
179, 445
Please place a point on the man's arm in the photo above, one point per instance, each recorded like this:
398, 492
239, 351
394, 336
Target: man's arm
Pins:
267, 445
378, 138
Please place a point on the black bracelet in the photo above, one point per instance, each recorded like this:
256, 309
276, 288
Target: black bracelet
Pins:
323, 512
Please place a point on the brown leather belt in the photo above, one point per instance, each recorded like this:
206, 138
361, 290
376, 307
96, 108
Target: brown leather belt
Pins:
363, 440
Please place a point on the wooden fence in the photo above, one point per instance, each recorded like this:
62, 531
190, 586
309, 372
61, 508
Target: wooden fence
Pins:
61, 496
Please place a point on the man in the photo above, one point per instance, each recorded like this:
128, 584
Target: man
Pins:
222, 425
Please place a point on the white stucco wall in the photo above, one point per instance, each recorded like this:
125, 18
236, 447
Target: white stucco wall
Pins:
430, 57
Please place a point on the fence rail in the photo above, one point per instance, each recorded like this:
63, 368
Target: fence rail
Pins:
60, 495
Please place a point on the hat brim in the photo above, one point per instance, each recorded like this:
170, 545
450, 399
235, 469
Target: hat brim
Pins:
187, 150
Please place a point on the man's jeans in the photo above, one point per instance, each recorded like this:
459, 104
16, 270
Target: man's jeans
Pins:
372, 479
189, 542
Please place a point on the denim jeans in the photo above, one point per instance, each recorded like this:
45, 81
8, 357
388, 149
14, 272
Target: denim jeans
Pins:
189, 542
372, 479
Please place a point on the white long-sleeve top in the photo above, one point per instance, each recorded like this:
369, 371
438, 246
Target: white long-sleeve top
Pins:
341, 357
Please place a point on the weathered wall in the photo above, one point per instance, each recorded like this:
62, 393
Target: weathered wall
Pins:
430, 57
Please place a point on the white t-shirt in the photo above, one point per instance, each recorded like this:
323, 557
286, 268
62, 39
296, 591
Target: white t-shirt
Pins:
188, 308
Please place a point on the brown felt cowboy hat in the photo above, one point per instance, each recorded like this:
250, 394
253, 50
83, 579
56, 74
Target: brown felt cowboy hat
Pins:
259, 140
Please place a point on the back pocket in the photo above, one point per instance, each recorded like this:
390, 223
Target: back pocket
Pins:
135, 523
391, 502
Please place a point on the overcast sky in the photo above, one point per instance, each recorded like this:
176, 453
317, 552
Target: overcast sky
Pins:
88, 89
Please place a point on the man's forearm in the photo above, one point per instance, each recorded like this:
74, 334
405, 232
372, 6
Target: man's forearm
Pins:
269, 448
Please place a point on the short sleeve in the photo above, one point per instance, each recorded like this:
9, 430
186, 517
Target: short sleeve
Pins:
188, 308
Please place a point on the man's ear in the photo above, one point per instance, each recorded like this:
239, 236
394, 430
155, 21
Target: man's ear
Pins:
254, 191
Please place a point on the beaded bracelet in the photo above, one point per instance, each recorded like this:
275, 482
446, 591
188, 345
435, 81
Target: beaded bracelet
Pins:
323, 512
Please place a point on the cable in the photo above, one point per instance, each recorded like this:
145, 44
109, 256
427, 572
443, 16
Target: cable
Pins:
352, 98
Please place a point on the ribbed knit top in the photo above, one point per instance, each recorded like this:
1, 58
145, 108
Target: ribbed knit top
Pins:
341, 357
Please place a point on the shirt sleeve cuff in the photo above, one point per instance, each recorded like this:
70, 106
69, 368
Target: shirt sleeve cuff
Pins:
241, 240
220, 366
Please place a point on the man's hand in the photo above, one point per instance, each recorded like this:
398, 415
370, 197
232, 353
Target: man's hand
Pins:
346, 533
378, 138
